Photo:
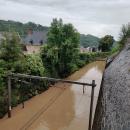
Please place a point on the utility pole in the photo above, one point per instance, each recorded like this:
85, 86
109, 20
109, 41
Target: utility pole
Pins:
91, 105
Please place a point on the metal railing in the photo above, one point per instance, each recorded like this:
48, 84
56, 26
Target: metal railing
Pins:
17, 75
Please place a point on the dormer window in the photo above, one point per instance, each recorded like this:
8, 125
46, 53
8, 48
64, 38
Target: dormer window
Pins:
41, 42
31, 42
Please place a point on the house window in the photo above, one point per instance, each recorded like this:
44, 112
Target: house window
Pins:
41, 42
93, 49
31, 41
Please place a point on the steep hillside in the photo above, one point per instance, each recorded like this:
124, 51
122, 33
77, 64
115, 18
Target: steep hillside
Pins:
89, 40
20, 27
85, 40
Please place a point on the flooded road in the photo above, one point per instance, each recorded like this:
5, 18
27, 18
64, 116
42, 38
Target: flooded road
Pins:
71, 109
62, 107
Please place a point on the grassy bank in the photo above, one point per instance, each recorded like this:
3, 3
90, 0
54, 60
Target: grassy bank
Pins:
91, 56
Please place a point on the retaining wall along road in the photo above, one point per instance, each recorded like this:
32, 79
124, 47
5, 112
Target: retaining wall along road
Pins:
113, 109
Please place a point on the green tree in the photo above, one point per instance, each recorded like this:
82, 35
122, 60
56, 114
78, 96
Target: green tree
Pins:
124, 34
61, 53
106, 43
10, 60
10, 51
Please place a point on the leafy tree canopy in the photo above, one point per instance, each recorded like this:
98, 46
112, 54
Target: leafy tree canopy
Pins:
106, 43
10, 50
61, 53
124, 34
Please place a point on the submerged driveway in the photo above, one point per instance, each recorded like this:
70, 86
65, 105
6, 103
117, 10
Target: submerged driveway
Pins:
62, 107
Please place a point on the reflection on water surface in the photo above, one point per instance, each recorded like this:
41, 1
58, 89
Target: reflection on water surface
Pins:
71, 109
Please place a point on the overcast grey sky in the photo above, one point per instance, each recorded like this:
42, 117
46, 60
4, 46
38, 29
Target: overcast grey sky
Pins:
97, 17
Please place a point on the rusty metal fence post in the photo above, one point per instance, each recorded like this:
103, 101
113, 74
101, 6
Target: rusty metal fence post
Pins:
83, 89
91, 105
57, 80
9, 96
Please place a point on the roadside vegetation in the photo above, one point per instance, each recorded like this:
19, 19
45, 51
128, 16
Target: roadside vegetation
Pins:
124, 34
12, 59
106, 43
59, 58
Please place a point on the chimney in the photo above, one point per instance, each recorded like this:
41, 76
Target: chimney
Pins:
30, 31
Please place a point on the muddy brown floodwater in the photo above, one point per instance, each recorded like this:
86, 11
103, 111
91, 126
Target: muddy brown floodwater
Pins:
62, 107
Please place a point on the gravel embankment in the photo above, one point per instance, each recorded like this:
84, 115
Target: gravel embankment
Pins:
113, 109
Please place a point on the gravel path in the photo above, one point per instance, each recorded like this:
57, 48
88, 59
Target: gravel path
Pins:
113, 110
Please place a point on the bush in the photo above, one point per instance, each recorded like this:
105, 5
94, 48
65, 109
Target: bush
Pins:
30, 87
124, 34
3, 106
21, 91
34, 65
3, 92
91, 56
80, 63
